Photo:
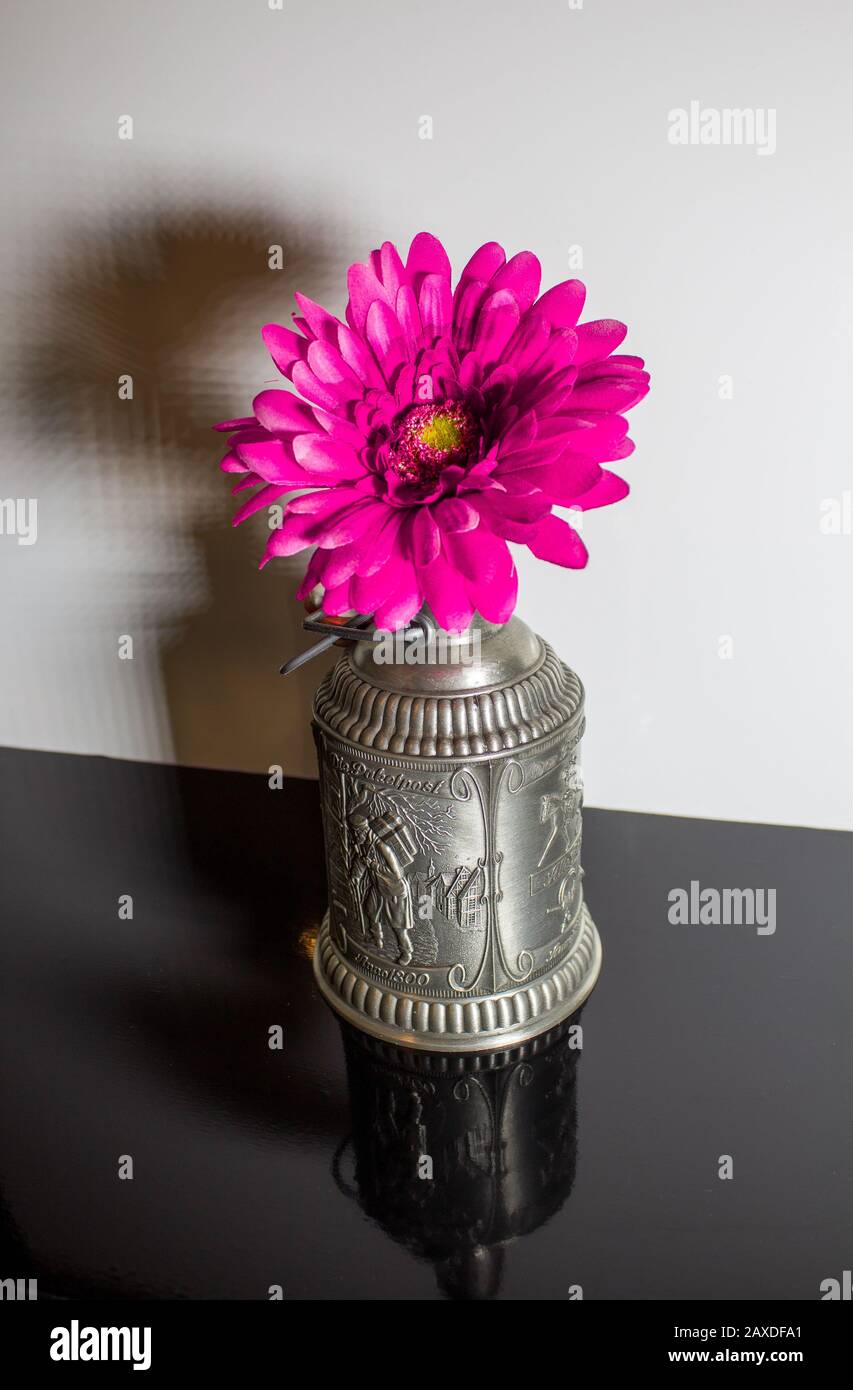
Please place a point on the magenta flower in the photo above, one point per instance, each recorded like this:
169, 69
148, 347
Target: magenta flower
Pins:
434, 426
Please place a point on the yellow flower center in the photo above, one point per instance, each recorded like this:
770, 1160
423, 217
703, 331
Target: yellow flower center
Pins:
442, 434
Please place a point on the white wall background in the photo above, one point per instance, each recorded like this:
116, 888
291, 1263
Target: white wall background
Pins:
299, 126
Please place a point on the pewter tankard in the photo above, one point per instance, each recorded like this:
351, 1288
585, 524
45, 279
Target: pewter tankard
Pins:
451, 801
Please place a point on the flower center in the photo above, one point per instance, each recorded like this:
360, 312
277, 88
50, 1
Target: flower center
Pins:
430, 439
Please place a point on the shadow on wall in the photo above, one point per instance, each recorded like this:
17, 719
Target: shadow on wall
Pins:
176, 299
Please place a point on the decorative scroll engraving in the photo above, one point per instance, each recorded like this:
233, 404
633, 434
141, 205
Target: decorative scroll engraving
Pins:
463, 783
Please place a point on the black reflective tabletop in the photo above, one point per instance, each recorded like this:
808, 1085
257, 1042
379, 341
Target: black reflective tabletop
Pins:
689, 1136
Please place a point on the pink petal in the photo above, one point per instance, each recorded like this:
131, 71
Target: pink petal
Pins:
281, 411
323, 502
404, 385
479, 554
510, 530
339, 429
344, 525
496, 323
604, 447
312, 575
520, 435
628, 359
400, 607
466, 304
521, 276
471, 372
558, 353
528, 342
616, 451
368, 591
587, 437
610, 367
381, 544
247, 480
391, 269
338, 566
427, 256
484, 263
288, 538
426, 537
495, 601
436, 306
322, 457
527, 507
609, 489
316, 391
551, 395
598, 339
274, 462
562, 485
541, 450
284, 347
607, 395
228, 426
446, 593
562, 305
338, 601
557, 541
329, 367
409, 319
364, 289
322, 324
385, 337
455, 514
558, 471
499, 385
263, 498
359, 358
256, 435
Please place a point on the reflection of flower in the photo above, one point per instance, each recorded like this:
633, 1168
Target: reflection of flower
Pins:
434, 426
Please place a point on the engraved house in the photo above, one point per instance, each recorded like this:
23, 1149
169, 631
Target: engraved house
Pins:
457, 893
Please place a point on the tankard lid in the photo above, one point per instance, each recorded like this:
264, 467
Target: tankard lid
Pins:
491, 688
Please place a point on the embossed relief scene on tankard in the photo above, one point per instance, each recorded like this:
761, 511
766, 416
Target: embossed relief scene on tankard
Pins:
559, 863
538, 826
398, 898
450, 880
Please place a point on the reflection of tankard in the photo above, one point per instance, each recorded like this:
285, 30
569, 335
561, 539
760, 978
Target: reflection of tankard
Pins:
452, 818
499, 1131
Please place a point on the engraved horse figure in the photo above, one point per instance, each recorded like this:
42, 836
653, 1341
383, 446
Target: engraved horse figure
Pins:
561, 810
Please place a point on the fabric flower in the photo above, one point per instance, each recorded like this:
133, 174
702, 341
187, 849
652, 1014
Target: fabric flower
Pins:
432, 428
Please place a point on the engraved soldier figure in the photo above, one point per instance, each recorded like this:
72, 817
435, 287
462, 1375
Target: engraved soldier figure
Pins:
561, 810
383, 849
